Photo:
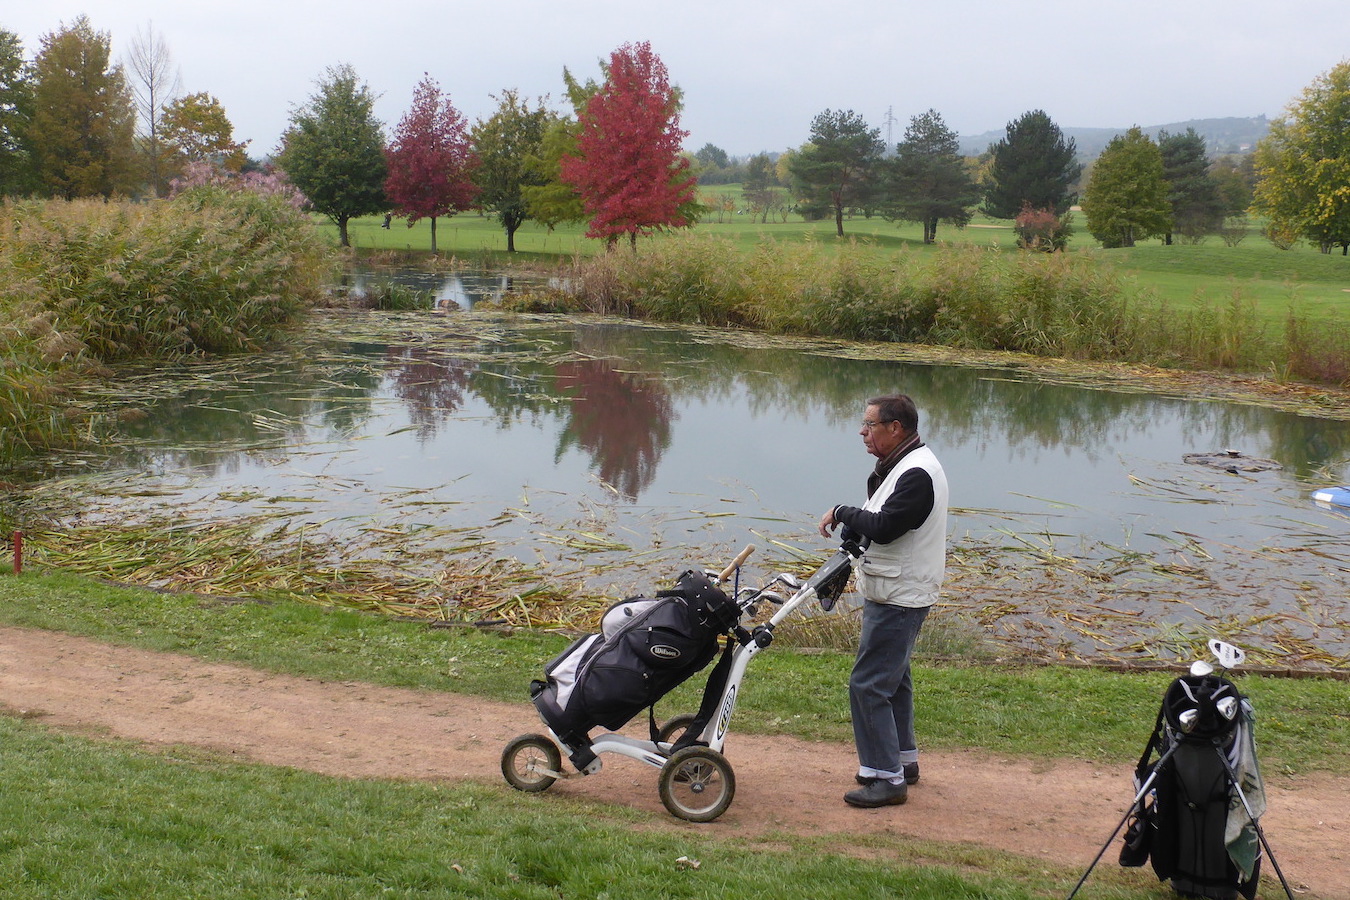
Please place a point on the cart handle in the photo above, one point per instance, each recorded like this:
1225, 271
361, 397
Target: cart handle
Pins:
736, 563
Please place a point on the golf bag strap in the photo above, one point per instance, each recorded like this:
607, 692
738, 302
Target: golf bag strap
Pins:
712, 693
1154, 740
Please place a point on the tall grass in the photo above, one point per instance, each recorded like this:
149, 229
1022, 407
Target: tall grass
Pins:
87, 283
1055, 305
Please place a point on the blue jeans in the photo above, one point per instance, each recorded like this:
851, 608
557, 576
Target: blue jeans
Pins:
881, 692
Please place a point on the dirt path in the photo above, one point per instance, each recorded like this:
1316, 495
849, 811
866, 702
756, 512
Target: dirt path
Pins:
1060, 812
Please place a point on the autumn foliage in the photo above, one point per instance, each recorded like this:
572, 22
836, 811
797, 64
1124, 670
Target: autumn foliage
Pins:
431, 159
627, 166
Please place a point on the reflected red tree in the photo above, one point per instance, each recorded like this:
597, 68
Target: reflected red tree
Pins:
431, 385
621, 419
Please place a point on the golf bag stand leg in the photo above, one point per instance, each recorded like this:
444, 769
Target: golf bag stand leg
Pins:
1260, 832
1138, 798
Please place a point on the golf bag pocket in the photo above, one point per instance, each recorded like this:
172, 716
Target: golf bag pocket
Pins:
1138, 839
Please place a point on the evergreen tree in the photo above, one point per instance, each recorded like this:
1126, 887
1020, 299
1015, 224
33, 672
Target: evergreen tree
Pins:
1034, 165
333, 151
505, 144
1192, 192
84, 117
835, 169
1303, 166
927, 181
1126, 196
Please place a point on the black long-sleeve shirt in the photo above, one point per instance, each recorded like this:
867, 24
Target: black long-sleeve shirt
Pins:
907, 507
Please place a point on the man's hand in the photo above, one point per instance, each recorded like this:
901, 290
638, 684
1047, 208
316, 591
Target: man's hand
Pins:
828, 522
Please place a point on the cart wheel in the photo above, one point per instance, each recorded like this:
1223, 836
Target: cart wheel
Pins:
528, 761
675, 728
697, 784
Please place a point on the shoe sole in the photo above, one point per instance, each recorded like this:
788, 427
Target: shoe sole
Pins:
898, 801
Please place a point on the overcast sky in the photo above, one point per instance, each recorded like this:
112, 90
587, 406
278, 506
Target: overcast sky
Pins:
754, 72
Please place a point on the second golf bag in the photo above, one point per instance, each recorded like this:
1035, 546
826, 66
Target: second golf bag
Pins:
645, 649
1192, 826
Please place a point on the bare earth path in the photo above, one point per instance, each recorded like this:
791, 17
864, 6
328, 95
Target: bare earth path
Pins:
1060, 812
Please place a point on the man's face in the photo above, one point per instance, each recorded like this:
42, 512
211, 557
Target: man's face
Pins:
880, 437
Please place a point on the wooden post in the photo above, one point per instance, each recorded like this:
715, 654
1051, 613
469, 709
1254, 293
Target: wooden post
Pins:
18, 552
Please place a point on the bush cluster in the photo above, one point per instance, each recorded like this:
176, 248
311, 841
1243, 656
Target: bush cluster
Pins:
1047, 304
87, 283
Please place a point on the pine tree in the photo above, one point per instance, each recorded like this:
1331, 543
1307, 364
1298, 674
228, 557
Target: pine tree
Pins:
836, 168
1034, 165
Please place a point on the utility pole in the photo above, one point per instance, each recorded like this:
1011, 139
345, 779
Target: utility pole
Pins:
890, 128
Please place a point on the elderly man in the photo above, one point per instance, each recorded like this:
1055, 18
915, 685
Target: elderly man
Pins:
905, 518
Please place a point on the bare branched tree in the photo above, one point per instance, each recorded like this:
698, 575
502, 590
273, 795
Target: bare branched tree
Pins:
155, 82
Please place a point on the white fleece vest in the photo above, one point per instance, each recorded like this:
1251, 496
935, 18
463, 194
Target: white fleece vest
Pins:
909, 570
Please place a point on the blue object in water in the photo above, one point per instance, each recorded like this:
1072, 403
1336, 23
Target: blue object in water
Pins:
1337, 496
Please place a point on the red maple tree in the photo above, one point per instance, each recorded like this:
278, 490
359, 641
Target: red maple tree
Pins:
431, 160
627, 168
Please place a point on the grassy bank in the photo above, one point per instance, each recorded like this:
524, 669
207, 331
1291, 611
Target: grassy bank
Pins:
87, 284
81, 817
1033, 712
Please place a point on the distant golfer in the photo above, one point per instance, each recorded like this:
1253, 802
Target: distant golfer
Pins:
905, 517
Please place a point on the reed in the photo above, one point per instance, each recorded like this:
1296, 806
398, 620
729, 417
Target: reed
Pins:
1069, 306
88, 283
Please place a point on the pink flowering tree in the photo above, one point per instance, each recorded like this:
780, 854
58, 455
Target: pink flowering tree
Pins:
268, 181
431, 160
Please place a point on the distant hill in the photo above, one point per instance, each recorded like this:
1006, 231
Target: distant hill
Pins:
1230, 135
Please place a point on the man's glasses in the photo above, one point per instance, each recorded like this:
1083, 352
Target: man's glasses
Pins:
870, 425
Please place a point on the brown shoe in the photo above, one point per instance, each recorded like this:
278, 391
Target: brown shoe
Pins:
878, 793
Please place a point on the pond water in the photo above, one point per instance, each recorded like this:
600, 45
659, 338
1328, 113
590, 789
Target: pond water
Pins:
462, 290
1078, 522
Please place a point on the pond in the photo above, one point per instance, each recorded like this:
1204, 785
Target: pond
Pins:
462, 290
627, 451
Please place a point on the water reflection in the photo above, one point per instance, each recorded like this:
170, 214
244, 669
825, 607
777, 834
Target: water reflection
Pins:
449, 289
673, 437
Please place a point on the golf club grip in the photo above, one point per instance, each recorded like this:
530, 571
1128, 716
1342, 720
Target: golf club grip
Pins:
736, 563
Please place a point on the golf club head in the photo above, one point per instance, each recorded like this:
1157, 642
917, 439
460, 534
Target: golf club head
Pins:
1229, 656
1200, 668
791, 581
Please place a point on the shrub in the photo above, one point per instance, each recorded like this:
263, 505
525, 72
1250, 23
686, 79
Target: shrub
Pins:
1041, 229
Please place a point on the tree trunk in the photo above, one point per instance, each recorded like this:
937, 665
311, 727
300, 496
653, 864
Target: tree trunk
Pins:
839, 219
510, 239
342, 231
433, 235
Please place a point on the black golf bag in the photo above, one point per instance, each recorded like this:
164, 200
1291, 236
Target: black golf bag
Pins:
645, 649
1192, 825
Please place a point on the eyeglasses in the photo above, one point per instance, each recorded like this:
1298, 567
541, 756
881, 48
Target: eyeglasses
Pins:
870, 425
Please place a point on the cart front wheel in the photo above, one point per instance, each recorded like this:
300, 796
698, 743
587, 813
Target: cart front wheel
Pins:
531, 763
697, 784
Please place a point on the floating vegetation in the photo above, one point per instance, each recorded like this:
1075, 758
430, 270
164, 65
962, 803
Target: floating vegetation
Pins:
1016, 588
